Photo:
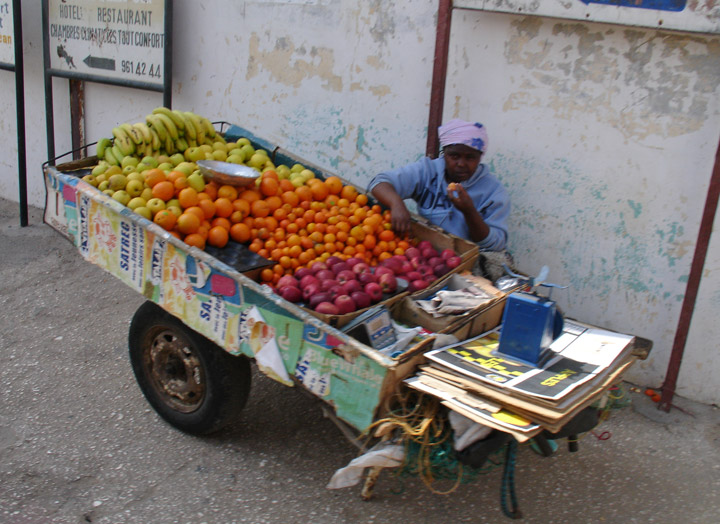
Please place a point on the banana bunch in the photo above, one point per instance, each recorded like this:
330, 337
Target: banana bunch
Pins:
165, 131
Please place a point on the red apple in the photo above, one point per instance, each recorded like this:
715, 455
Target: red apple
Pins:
352, 261
361, 267
331, 261
301, 272
447, 253
317, 266
362, 299
344, 275
340, 266
287, 280
328, 284
383, 270
311, 289
388, 283
325, 274
417, 285
323, 296
350, 286
413, 275
453, 262
423, 244
345, 304
307, 280
327, 308
417, 261
440, 270
290, 293
429, 252
374, 290
412, 252
366, 277
393, 264
434, 261
406, 267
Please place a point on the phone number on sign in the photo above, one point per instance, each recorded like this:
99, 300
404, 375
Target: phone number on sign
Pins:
140, 68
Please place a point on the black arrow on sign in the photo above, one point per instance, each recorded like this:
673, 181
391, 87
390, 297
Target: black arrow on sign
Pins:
100, 63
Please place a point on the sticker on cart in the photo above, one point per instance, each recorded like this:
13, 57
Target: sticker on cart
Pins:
315, 381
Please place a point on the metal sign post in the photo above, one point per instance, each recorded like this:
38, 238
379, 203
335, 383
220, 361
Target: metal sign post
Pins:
124, 43
11, 59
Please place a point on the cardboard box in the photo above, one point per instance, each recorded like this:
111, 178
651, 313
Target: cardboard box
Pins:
471, 323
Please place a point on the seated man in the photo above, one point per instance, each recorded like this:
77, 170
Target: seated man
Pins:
455, 192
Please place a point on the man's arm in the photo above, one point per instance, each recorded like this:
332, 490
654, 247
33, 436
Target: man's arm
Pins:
385, 193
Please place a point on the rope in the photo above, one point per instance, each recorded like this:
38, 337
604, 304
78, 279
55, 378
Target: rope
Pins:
508, 483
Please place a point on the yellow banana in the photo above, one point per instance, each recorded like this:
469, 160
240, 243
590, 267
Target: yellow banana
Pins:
117, 153
156, 141
110, 158
122, 141
169, 145
102, 145
133, 133
144, 131
169, 125
209, 129
190, 131
177, 120
155, 123
181, 144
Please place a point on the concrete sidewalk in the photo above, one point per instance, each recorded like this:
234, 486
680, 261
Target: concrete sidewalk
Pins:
78, 442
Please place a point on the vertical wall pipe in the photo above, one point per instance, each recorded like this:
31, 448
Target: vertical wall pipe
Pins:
437, 91
696, 269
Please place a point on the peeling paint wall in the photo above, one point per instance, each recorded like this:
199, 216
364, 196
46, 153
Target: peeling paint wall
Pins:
605, 135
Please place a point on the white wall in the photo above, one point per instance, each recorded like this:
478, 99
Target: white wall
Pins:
604, 135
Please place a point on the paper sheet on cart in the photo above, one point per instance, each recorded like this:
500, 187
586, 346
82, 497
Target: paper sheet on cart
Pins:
581, 353
383, 454
261, 338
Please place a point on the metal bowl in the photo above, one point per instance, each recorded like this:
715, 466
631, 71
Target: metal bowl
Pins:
228, 173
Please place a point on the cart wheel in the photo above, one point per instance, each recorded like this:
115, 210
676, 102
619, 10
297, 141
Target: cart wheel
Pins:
191, 382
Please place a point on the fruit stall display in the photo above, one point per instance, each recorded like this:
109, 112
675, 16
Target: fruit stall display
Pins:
328, 246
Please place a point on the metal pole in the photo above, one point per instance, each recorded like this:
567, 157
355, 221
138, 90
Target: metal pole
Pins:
437, 92
696, 269
49, 119
77, 117
167, 91
20, 109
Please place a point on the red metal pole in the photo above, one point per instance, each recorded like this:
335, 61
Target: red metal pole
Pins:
688, 306
437, 92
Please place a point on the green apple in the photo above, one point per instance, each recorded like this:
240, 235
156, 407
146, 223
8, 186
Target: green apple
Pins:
136, 203
283, 171
296, 168
117, 182
113, 170
135, 187
176, 210
166, 166
297, 180
262, 152
150, 161
108, 192
146, 193
100, 168
129, 161
176, 159
104, 186
243, 142
206, 148
142, 167
143, 211
235, 159
248, 150
186, 167
90, 179
307, 174
136, 176
196, 181
163, 158
128, 169
121, 196
257, 160
220, 155
193, 154
155, 205
172, 202
219, 146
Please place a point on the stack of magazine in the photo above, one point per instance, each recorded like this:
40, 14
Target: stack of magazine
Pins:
477, 381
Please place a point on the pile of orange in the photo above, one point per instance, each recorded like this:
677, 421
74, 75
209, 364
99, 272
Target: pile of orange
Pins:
292, 226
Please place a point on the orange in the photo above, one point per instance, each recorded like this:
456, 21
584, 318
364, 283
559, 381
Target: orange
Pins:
196, 240
334, 184
349, 192
218, 236
386, 235
274, 202
228, 192
153, 176
361, 199
188, 223
304, 193
240, 232
197, 211
208, 208
223, 207
236, 217
211, 188
187, 197
319, 190
267, 274
180, 183
369, 242
259, 208
251, 195
286, 185
163, 190
269, 186
222, 222
240, 204
290, 197
165, 219
172, 176
270, 174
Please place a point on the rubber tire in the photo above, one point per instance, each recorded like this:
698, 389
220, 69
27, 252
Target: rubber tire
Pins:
227, 378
